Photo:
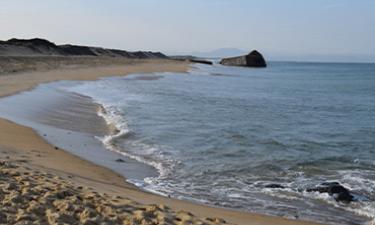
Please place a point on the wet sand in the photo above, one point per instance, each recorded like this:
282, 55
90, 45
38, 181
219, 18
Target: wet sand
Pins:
42, 184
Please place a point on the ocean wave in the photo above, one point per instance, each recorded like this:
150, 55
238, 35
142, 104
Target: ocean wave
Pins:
110, 109
116, 121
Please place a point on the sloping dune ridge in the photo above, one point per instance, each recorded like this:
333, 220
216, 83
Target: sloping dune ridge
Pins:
40, 47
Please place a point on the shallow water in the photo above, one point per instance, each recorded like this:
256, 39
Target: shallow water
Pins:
218, 135
69, 121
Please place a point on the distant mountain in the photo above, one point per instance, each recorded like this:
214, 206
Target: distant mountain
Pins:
41, 47
220, 53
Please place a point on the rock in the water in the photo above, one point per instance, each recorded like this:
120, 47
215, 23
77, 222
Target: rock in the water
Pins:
328, 187
344, 197
274, 186
335, 189
120, 160
253, 59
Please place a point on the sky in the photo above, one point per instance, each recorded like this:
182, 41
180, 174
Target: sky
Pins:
337, 30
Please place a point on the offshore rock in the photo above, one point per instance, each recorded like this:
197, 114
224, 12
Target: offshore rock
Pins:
335, 189
253, 59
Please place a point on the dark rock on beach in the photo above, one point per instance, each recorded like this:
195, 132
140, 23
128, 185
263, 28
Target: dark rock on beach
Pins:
253, 59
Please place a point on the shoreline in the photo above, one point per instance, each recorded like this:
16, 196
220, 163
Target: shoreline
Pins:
22, 143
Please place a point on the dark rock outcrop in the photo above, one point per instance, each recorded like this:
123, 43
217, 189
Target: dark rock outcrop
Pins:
335, 189
41, 47
253, 59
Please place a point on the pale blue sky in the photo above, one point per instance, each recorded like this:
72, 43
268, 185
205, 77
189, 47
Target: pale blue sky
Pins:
282, 29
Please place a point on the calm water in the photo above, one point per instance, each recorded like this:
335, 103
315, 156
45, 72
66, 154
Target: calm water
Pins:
218, 135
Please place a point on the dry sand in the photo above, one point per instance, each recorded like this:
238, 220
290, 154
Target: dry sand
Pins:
43, 185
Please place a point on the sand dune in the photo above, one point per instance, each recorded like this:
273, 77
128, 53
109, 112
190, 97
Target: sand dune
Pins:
42, 47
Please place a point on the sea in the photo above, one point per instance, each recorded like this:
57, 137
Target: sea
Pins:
221, 135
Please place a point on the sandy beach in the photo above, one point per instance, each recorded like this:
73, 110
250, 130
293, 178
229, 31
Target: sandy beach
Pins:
44, 185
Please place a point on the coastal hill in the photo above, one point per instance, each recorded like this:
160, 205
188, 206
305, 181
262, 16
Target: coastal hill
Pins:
42, 47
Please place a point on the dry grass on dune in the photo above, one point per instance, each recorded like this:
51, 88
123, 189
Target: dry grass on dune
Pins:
14, 64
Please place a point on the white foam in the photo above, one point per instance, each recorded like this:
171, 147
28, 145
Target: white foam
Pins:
366, 209
114, 117
358, 179
110, 111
